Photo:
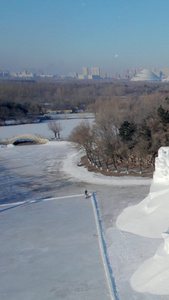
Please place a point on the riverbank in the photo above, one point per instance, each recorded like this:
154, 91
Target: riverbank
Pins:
132, 171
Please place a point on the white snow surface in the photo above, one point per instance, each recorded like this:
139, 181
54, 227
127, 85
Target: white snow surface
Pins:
150, 218
70, 166
41, 129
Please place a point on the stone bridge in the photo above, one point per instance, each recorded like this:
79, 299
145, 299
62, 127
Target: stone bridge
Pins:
23, 139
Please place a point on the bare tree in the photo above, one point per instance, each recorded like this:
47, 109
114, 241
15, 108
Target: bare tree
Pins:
56, 127
83, 137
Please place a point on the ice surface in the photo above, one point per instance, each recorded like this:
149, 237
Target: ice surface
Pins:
150, 218
41, 129
51, 169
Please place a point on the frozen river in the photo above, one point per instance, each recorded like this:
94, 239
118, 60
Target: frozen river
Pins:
40, 128
28, 173
44, 171
31, 173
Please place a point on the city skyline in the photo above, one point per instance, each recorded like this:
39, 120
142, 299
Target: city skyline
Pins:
93, 73
62, 36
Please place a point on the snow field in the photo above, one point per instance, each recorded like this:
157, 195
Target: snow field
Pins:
148, 219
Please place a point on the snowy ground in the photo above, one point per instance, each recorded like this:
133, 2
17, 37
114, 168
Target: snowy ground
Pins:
49, 251
36, 172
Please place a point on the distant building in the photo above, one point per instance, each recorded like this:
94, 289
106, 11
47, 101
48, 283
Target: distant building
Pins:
132, 73
73, 74
110, 75
103, 75
125, 74
113, 75
4, 73
46, 76
80, 76
26, 74
85, 72
14, 74
95, 71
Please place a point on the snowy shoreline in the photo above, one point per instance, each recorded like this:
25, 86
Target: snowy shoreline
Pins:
80, 173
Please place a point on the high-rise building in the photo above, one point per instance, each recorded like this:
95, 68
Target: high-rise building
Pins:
4, 73
85, 71
95, 71
125, 74
103, 75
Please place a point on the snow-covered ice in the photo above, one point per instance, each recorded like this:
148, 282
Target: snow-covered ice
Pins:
138, 245
41, 129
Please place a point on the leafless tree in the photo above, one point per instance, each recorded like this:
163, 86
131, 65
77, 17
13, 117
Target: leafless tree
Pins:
82, 136
56, 127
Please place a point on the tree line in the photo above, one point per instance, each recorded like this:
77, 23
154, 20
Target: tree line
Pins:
19, 99
14, 110
126, 134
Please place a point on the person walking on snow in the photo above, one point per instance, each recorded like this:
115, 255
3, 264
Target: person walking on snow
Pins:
86, 194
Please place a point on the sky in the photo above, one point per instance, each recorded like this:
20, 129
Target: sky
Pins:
61, 36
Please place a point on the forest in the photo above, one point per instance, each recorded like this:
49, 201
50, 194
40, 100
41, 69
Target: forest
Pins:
126, 134
131, 118
24, 100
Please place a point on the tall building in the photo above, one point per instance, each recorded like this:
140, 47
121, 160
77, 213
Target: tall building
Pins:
85, 71
125, 74
95, 71
4, 73
103, 75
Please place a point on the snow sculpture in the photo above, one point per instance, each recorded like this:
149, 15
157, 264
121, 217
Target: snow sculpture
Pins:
153, 274
150, 217
165, 236
161, 173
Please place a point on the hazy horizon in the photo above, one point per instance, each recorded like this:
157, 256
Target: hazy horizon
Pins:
63, 36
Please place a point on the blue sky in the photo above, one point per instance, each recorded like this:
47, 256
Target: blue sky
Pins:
60, 36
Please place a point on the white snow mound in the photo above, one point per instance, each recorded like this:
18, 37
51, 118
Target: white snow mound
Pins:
150, 218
